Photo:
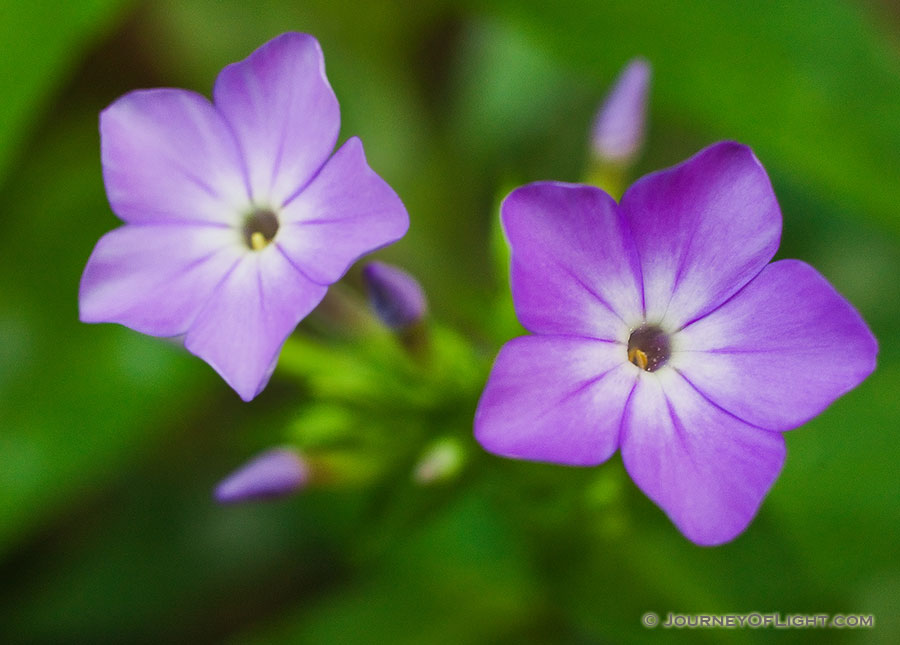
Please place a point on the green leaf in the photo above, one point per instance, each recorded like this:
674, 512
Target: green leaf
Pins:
838, 484
462, 576
41, 42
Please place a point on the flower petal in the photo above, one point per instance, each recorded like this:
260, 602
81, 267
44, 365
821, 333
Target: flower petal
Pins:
283, 112
557, 399
345, 212
169, 156
155, 279
781, 350
707, 470
703, 229
241, 329
574, 267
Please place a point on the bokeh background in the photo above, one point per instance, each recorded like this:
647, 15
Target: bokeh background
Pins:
110, 442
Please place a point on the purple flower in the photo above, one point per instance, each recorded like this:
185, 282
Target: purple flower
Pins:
275, 473
661, 329
236, 219
395, 296
619, 126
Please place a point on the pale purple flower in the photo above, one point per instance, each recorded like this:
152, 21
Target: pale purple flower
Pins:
236, 219
396, 297
274, 473
618, 131
661, 329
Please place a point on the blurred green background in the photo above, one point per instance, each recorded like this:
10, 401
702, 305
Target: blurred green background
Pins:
110, 442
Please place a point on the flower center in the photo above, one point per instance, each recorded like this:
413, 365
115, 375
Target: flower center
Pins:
260, 228
648, 347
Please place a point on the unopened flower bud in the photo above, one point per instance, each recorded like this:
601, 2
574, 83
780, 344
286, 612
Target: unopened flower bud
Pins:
274, 473
395, 296
441, 461
618, 132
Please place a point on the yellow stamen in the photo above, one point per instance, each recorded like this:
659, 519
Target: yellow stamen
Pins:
258, 241
637, 357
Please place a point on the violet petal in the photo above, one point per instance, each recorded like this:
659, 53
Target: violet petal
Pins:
574, 266
345, 212
781, 350
243, 325
708, 470
557, 399
155, 279
169, 156
283, 112
703, 229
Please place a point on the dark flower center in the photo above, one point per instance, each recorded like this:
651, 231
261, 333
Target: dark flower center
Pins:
260, 228
648, 347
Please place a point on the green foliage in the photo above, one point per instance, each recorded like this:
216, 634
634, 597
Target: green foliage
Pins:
814, 92
42, 44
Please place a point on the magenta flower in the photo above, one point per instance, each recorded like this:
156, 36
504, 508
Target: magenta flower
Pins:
661, 329
236, 219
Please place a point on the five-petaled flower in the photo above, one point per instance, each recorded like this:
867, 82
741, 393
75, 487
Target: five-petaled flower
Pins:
661, 329
236, 219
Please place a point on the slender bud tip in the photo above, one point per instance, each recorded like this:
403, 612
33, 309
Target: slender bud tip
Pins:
396, 297
272, 474
619, 127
